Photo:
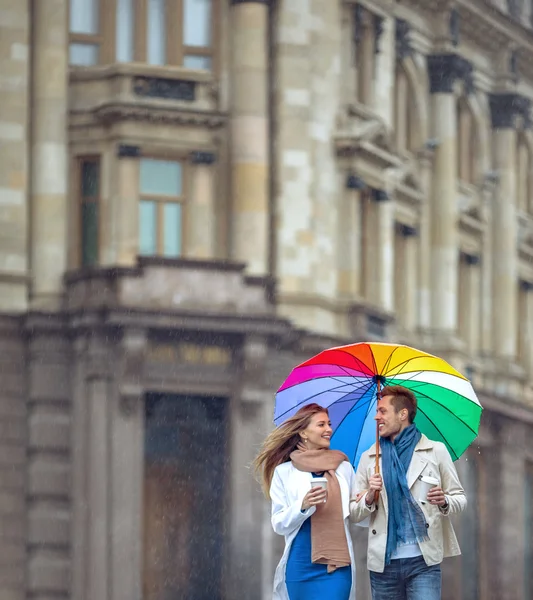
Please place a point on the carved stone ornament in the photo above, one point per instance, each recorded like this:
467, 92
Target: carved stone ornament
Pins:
128, 151
454, 27
354, 182
170, 89
408, 230
403, 42
112, 113
380, 196
446, 69
203, 158
508, 109
250, 1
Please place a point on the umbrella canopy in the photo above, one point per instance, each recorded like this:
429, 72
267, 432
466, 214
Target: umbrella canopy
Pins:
345, 380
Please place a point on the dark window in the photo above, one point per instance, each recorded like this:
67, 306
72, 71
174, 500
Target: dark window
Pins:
89, 210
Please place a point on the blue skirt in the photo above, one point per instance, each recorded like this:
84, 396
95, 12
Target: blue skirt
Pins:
309, 581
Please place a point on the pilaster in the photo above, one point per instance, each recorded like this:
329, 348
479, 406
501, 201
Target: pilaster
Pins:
49, 147
125, 206
201, 216
249, 135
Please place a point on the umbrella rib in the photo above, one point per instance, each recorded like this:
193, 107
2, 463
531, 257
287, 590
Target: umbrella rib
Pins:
440, 432
447, 410
439, 386
356, 447
314, 396
359, 361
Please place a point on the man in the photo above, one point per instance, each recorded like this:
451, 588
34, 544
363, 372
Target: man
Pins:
407, 540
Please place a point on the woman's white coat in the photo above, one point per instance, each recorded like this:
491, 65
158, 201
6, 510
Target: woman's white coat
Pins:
289, 486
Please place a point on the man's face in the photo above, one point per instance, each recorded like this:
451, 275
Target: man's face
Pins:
390, 422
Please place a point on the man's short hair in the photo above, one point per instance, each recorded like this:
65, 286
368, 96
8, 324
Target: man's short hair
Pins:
401, 398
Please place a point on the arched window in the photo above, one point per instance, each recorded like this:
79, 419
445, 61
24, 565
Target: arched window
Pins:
467, 143
523, 159
404, 117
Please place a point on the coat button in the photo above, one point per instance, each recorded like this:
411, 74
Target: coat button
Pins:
427, 525
373, 531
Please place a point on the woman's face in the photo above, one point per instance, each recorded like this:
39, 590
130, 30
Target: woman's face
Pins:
317, 435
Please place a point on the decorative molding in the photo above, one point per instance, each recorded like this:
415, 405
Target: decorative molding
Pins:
127, 151
509, 110
202, 158
378, 32
455, 32
113, 112
446, 69
408, 230
471, 259
380, 195
513, 66
403, 41
170, 89
354, 182
249, 2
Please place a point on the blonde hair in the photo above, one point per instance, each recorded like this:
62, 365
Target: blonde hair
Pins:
279, 444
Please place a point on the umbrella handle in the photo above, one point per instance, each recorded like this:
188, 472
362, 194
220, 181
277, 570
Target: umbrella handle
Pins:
377, 470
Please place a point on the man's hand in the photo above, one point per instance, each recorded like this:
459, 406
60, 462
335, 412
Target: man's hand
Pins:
436, 496
375, 484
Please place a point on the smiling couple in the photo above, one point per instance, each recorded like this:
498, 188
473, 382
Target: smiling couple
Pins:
407, 538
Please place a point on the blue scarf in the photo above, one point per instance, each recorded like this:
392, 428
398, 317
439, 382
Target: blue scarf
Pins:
403, 508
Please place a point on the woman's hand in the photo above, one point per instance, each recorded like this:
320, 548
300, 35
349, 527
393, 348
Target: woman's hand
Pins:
313, 497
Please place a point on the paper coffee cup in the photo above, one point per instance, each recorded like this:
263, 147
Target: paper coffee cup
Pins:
320, 482
426, 483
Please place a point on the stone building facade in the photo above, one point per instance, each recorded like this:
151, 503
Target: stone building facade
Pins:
195, 195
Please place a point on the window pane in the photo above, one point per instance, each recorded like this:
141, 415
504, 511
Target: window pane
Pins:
172, 220
156, 32
89, 233
197, 22
200, 63
90, 177
160, 177
125, 30
84, 55
84, 16
147, 228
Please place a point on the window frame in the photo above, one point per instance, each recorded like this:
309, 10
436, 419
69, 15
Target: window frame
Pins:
175, 50
80, 201
161, 200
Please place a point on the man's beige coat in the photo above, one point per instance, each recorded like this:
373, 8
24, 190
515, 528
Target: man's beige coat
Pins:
429, 458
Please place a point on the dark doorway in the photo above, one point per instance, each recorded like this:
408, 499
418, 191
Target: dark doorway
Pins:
185, 482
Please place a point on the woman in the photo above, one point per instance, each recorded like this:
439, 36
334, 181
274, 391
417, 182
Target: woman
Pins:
318, 559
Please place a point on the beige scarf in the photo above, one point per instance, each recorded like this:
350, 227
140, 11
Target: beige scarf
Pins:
328, 536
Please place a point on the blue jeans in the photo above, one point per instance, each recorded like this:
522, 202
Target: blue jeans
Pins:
407, 579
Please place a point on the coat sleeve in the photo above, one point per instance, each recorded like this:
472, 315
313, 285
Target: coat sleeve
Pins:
286, 517
451, 485
359, 510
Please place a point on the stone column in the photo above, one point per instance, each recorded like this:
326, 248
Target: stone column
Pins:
406, 277
14, 134
249, 131
486, 271
424, 255
444, 71
127, 467
368, 28
505, 260
385, 250
201, 217
250, 542
49, 147
511, 529
350, 252
125, 207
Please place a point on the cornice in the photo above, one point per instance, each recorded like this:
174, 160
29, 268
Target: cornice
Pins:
113, 112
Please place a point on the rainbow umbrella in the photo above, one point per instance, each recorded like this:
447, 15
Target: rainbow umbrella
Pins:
346, 380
